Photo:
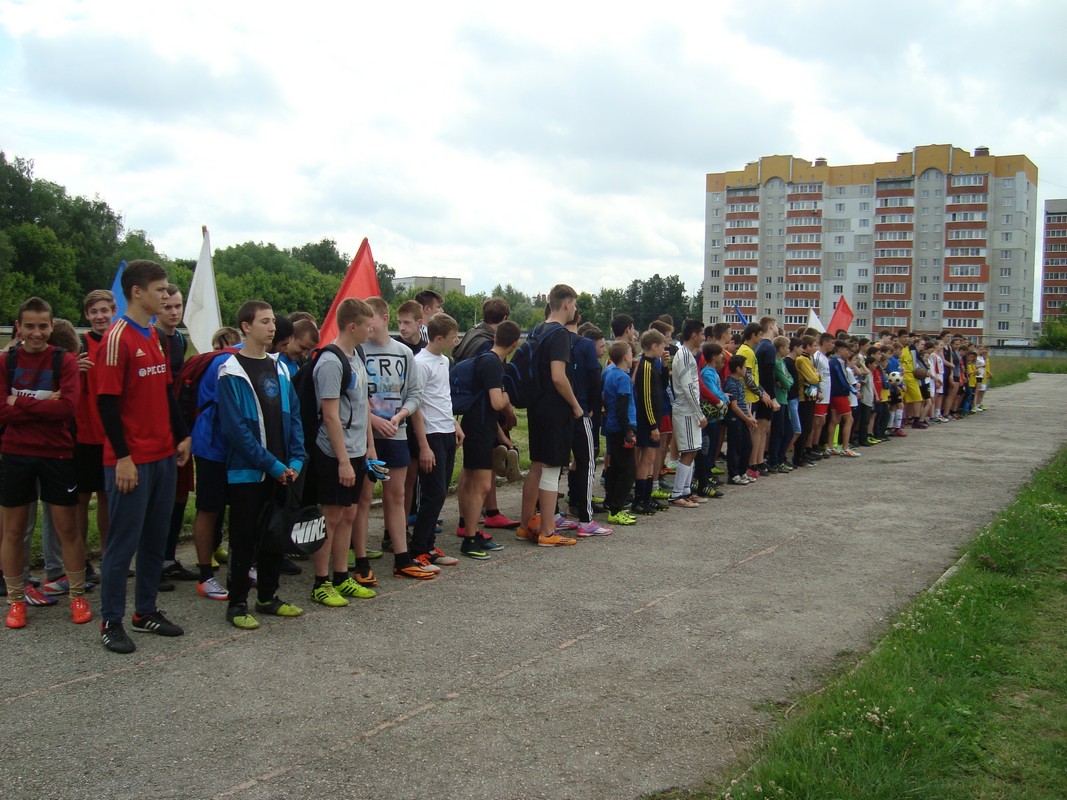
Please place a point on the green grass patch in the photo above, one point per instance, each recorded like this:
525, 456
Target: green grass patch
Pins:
964, 697
1008, 370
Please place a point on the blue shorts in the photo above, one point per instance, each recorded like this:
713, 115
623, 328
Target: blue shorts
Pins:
394, 452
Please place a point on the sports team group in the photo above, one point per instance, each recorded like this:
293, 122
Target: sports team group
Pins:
273, 418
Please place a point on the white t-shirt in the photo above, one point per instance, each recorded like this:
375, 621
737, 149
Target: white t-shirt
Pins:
822, 366
436, 392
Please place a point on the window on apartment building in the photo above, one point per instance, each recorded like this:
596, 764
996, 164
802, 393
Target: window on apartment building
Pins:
839, 240
1005, 272
922, 279
716, 228
1006, 219
922, 295
1008, 183
839, 208
862, 272
781, 278
1003, 326
924, 211
1008, 202
924, 229
938, 192
926, 192
865, 256
865, 206
922, 315
1005, 236
839, 190
863, 288
1005, 255
861, 306
839, 288
713, 304
839, 256
838, 272
716, 242
866, 189
767, 295
935, 297
714, 273
1004, 290
937, 263
1003, 308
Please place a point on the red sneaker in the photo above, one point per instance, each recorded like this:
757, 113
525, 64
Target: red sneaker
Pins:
16, 614
80, 613
498, 520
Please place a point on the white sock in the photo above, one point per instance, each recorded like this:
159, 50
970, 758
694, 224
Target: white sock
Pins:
681, 477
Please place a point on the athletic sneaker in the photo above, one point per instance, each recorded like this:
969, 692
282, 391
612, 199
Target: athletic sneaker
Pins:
211, 589
592, 528
221, 554
486, 542
657, 505
752, 474
848, 452
155, 623
641, 510
511, 469
176, 572
441, 559
661, 494
324, 594
471, 549
681, 502
426, 563
80, 613
621, 518
238, 616
35, 598
253, 576
413, 570
498, 520
555, 540
372, 554
564, 524
740, 480
16, 614
352, 588
279, 608
368, 580
522, 534
718, 471
61, 586
287, 567
500, 459
114, 638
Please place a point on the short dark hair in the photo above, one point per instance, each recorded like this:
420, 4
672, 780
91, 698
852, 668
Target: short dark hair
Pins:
795, 342
618, 351
736, 363
620, 323
709, 350
304, 327
691, 326
825, 337
35, 305
661, 326
666, 318
559, 294
283, 328
507, 333
440, 324
594, 333
413, 308
247, 313
140, 273
719, 328
495, 310
752, 329
428, 297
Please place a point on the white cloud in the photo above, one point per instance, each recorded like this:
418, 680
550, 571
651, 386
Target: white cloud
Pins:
498, 143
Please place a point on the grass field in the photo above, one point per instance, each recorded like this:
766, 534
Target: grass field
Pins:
965, 696
1008, 370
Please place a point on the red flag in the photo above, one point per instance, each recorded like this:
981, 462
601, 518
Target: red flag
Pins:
842, 317
361, 282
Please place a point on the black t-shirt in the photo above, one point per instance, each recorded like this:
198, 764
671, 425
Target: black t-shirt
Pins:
791, 368
263, 372
488, 374
555, 345
415, 348
174, 347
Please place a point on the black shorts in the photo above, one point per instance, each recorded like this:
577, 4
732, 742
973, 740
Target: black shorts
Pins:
20, 475
479, 439
394, 453
413, 443
761, 410
89, 467
643, 434
210, 485
550, 434
924, 390
329, 490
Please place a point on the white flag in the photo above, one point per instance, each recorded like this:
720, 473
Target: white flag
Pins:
202, 316
813, 319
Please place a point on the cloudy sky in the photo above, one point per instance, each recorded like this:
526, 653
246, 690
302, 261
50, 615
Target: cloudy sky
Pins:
560, 142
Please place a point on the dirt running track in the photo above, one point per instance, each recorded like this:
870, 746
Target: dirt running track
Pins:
623, 665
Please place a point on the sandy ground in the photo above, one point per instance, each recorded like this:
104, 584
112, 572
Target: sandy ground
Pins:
626, 664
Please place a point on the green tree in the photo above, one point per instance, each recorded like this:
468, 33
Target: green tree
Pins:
323, 256
464, 309
40, 256
386, 274
1054, 332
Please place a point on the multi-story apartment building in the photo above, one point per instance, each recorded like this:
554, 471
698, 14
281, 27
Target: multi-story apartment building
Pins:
938, 239
1054, 277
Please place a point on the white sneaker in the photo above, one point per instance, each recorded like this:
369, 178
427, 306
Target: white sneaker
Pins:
211, 589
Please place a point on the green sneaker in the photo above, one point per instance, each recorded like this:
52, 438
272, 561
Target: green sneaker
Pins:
350, 588
221, 554
718, 471
239, 617
326, 595
371, 554
279, 608
622, 518
661, 494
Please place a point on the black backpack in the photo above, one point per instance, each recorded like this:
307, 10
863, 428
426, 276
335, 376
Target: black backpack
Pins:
521, 379
465, 397
304, 385
187, 383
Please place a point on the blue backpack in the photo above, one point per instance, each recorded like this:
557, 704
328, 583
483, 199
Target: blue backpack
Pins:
521, 379
465, 397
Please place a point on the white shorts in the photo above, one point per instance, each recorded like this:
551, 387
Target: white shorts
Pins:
687, 434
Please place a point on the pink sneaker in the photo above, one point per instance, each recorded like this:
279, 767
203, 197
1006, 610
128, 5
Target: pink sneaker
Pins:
498, 520
593, 528
564, 524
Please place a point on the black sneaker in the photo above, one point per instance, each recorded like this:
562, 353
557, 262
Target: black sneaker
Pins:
658, 505
486, 542
763, 469
167, 586
175, 571
287, 567
642, 510
90, 572
156, 623
114, 637
472, 549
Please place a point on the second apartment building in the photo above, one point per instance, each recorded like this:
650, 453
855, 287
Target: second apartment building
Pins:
937, 239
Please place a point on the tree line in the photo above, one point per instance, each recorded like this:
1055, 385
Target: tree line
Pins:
61, 247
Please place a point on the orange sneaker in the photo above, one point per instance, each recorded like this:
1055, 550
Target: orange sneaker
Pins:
80, 613
555, 540
16, 614
413, 571
524, 535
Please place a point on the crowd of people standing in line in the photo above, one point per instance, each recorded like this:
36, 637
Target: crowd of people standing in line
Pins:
102, 415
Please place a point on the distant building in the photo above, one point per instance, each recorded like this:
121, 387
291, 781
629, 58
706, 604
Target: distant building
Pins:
1054, 276
440, 284
937, 239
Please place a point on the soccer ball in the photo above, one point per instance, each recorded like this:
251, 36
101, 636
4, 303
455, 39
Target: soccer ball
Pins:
714, 413
895, 379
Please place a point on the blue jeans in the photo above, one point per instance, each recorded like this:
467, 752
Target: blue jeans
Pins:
139, 522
